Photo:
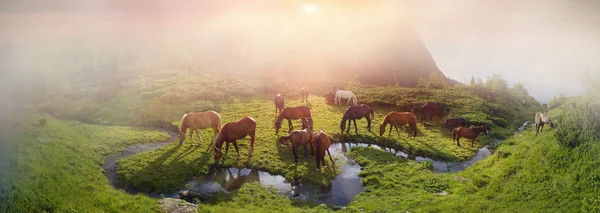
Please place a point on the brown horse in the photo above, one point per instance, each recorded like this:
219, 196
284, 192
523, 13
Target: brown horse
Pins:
307, 123
432, 108
199, 120
303, 95
233, 131
471, 133
540, 120
320, 144
455, 122
396, 119
298, 137
356, 112
291, 113
279, 102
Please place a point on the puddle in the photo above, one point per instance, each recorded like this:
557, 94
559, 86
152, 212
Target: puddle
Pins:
341, 192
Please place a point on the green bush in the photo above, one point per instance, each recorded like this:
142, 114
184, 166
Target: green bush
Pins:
579, 122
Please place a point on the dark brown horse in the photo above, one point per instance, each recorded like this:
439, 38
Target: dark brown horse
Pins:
471, 133
233, 131
320, 144
291, 113
455, 122
279, 102
307, 123
396, 119
303, 95
356, 112
432, 108
540, 120
298, 137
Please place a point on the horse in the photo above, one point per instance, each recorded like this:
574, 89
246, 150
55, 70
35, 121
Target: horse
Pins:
455, 122
233, 131
540, 120
431, 108
544, 106
199, 120
303, 95
396, 119
356, 112
279, 102
291, 113
471, 133
344, 94
307, 123
320, 144
298, 137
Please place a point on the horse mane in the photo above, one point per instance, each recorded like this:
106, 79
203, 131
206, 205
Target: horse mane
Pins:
183, 125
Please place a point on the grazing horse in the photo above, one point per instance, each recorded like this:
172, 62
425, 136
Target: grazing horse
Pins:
199, 120
455, 122
279, 102
432, 108
233, 131
344, 94
291, 113
356, 112
298, 137
471, 133
307, 123
396, 119
320, 144
540, 120
303, 95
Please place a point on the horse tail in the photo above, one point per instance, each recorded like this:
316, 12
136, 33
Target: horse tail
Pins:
282, 139
371, 113
413, 126
454, 135
219, 124
319, 155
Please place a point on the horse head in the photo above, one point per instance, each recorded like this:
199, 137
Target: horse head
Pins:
181, 136
217, 153
307, 123
552, 123
486, 130
277, 126
381, 129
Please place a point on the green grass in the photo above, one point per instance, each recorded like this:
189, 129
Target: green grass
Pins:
168, 168
57, 168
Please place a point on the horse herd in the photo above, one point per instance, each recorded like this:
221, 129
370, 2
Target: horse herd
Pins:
319, 141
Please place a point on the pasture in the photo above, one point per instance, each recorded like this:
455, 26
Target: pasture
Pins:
60, 164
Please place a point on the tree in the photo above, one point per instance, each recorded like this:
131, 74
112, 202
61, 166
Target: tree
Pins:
496, 84
472, 81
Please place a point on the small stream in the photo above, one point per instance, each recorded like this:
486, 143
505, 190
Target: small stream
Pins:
342, 190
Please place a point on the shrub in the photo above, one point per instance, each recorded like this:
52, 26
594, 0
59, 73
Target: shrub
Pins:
579, 122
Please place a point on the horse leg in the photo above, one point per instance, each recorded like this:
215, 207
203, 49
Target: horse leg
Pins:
294, 149
537, 129
329, 153
192, 135
198, 133
396, 127
541, 128
226, 147
355, 128
236, 148
305, 145
290, 126
252, 137
349, 124
472, 142
458, 140
368, 123
390, 133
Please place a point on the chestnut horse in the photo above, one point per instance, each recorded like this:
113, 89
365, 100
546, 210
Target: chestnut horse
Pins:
455, 122
470, 133
540, 120
396, 119
279, 102
320, 144
291, 113
298, 137
356, 112
199, 120
431, 107
303, 95
233, 131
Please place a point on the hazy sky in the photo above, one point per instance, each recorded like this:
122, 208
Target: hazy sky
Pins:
546, 44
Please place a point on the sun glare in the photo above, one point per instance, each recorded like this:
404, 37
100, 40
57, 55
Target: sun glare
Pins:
309, 9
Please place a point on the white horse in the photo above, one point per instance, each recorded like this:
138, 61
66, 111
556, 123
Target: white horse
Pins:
344, 94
